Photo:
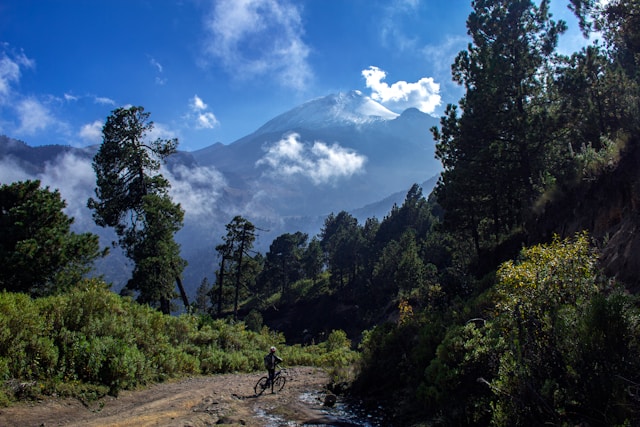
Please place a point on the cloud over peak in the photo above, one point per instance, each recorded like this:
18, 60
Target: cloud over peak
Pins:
319, 162
423, 94
196, 188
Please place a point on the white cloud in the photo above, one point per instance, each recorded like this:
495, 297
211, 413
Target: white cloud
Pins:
9, 73
156, 64
198, 104
103, 101
69, 97
160, 131
423, 94
33, 116
206, 121
11, 172
392, 28
74, 177
27, 115
203, 119
196, 188
92, 132
319, 162
11, 65
160, 81
254, 38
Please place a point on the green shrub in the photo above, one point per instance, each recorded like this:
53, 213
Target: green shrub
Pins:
89, 340
254, 321
255, 360
4, 369
297, 355
42, 357
565, 341
86, 393
337, 340
123, 367
236, 361
205, 335
5, 398
24, 338
212, 361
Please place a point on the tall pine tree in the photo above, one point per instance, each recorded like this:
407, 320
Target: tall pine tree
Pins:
133, 198
494, 152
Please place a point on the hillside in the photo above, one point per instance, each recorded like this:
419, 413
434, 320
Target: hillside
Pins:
608, 207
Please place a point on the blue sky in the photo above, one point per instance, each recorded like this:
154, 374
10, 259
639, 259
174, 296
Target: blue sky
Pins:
215, 70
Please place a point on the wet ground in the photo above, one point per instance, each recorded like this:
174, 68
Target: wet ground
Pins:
198, 402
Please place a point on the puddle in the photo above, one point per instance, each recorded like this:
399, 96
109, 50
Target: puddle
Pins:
274, 421
342, 414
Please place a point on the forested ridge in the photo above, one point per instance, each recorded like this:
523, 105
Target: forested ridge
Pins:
505, 297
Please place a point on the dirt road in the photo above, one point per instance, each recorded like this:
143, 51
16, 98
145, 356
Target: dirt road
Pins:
194, 402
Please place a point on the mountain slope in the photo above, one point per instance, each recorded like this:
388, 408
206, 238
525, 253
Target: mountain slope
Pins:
333, 153
341, 109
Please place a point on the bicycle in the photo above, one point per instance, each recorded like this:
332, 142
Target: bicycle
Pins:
279, 380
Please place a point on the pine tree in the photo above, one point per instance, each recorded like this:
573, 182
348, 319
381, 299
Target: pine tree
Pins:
38, 252
133, 199
494, 153
238, 242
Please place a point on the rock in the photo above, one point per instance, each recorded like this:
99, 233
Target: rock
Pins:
231, 421
330, 400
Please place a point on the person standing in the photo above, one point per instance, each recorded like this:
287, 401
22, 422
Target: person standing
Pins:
271, 360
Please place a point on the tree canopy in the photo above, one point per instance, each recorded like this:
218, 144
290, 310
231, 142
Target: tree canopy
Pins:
39, 253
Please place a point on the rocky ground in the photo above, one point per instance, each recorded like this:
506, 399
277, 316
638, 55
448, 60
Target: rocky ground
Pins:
194, 402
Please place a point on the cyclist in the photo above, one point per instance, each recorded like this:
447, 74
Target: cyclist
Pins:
270, 362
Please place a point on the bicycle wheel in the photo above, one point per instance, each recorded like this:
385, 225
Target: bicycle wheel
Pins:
260, 386
279, 382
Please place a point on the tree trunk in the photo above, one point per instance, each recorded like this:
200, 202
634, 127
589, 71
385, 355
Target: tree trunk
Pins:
238, 274
165, 306
183, 294
220, 283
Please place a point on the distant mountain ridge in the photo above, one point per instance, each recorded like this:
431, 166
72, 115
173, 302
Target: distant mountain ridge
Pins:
340, 152
334, 110
34, 159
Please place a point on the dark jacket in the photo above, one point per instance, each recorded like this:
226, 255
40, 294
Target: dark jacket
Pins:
271, 360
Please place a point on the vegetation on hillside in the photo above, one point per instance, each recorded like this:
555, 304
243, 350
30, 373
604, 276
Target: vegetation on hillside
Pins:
551, 342
541, 337
90, 341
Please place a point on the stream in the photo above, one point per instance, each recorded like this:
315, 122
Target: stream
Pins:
342, 414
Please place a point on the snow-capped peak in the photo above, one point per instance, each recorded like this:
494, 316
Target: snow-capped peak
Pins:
351, 108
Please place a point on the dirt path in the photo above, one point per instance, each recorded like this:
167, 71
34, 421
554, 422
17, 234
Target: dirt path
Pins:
194, 402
